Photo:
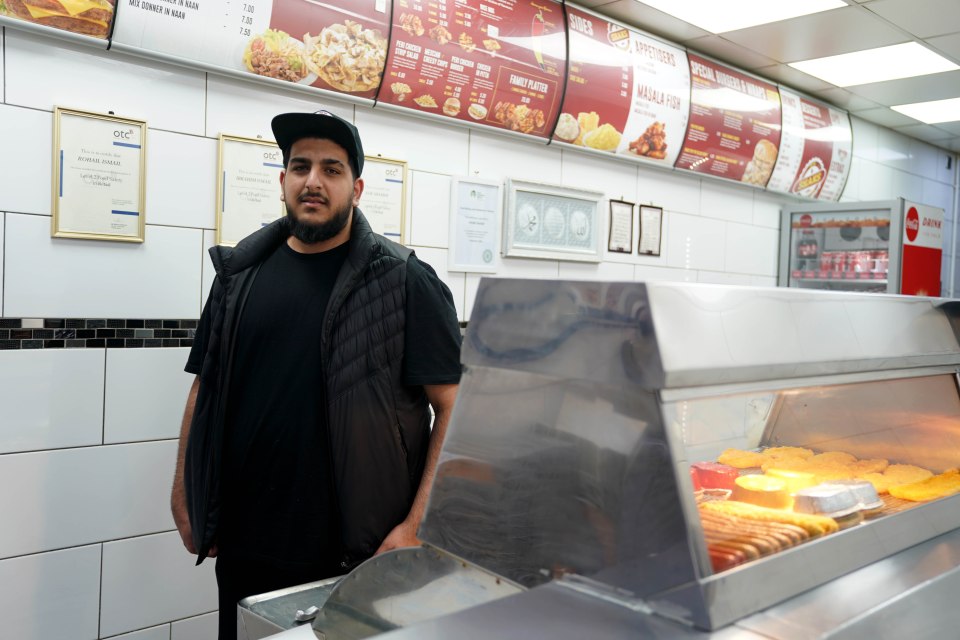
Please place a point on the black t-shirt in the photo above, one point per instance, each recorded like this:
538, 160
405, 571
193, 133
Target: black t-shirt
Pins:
278, 503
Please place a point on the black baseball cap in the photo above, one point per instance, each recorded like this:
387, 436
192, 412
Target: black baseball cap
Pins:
290, 127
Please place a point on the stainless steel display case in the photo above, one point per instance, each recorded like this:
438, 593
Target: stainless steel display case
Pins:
565, 473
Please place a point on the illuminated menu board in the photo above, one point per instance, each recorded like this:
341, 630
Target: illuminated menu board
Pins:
83, 17
494, 62
626, 93
815, 149
338, 45
734, 129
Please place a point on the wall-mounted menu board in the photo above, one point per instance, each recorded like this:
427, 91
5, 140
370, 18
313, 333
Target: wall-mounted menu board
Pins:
734, 129
84, 17
493, 62
626, 93
337, 45
815, 149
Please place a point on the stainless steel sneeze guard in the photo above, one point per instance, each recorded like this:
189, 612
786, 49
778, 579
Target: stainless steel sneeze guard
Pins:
583, 405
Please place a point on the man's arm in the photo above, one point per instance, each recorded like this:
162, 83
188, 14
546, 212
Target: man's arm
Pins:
178, 495
441, 398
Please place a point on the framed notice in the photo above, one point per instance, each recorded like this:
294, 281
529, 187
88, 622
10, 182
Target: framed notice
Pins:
620, 238
99, 176
384, 196
651, 227
556, 223
248, 189
475, 225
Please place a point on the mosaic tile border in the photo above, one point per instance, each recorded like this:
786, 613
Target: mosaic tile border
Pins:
94, 333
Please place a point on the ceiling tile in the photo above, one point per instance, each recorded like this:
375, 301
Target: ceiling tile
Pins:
793, 78
947, 45
846, 100
819, 35
729, 52
649, 19
952, 128
936, 86
923, 18
926, 132
886, 117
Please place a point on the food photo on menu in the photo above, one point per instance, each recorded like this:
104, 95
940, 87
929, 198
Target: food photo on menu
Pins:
84, 17
320, 46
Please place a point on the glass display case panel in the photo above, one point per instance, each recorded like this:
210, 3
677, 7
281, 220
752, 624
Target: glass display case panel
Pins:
845, 250
772, 471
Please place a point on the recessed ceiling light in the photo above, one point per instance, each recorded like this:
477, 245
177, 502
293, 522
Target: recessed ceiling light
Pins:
876, 65
932, 112
729, 15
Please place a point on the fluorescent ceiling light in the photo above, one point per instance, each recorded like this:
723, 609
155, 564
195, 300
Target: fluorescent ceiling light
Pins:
729, 15
932, 112
876, 65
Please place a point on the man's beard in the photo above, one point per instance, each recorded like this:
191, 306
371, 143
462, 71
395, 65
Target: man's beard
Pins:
314, 232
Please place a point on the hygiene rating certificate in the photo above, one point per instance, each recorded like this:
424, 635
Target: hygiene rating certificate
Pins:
99, 176
248, 189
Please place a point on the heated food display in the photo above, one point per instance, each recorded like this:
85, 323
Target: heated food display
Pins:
754, 503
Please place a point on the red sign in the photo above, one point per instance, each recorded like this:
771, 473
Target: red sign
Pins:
922, 250
912, 224
734, 129
497, 63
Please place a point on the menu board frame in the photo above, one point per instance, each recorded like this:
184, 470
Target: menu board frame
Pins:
457, 258
656, 215
535, 197
69, 213
387, 216
228, 163
621, 215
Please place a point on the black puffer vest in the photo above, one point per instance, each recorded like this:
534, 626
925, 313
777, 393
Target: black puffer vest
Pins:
379, 428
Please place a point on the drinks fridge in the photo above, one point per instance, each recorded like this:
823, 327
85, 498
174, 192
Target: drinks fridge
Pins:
892, 246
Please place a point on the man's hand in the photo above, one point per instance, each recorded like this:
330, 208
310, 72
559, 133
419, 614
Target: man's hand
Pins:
178, 494
403, 535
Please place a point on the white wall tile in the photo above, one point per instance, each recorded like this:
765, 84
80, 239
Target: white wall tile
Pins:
767, 209
471, 286
167, 97
865, 139
3, 223
941, 195
751, 250
649, 273
851, 190
763, 281
429, 209
893, 149
716, 277
497, 157
51, 596
152, 579
726, 201
146, 390
695, 242
209, 273
67, 278
51, 399
161, 632
608, 271
528, 268
876, 181
945, 174
2, 83
26, 173
672, 190
241, 108
181, 180
426, 145
437, 258
78, 496
924, 158
907, 185
199, 628
616, 180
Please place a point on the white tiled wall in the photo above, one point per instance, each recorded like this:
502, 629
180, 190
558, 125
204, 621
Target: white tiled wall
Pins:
88, 437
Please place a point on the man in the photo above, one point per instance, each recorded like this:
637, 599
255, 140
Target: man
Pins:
306, 444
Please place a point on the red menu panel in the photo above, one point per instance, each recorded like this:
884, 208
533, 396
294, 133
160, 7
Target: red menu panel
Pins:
815, 150
626, 93
495, 62
734, 129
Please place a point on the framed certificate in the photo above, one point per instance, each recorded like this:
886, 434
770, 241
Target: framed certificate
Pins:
475, 225
620, 237
551, 222
384, 196
651, 226
99, 176
248, 187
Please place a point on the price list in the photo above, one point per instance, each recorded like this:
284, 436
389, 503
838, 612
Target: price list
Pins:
497, 62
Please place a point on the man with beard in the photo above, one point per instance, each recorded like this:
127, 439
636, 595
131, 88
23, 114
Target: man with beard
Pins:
306, 444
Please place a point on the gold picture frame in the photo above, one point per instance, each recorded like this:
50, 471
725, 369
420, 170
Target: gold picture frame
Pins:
248, 179
98, 186
384, 199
